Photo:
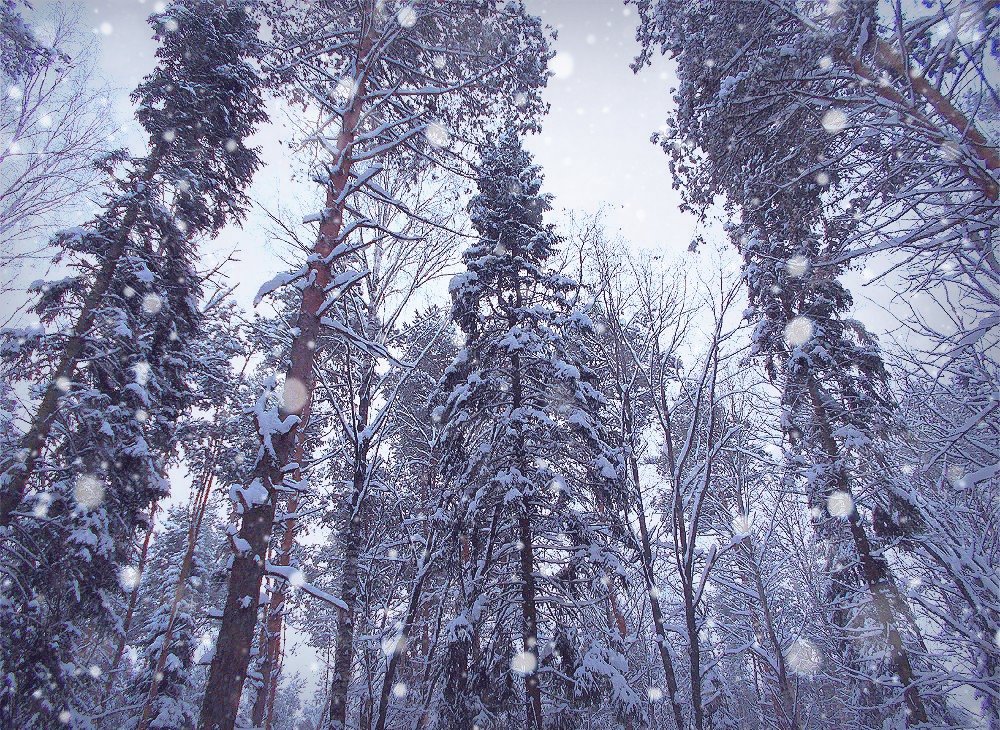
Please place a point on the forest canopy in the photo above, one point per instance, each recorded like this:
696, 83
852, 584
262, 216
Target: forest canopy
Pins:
428, 448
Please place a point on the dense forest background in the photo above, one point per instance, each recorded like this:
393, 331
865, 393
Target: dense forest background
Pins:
318, 408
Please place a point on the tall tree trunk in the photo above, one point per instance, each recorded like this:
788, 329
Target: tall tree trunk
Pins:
199, 506
264, 702
351, 545
690, 617
529, 609
344, 652
412, 608
133, 598
232, 655
874, 570
529, 614
19, 467
659, 625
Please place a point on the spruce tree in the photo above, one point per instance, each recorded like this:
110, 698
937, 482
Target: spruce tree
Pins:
113, 359
201, 101
837, 415
528, 475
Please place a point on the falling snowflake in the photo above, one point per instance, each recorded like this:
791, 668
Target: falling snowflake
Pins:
803, 657
394, 645
798, 331
840, 504
171, 25
407, 17
523, 663
232, 145
297, 578
63, 384
42, 504
128, 577
797, 266
142, 371
346, 88
294, 396
437, 135
88, 491
742, 524
14, 92
399, 690
152, 304
561, 65
834, 121
169, 136
655, 694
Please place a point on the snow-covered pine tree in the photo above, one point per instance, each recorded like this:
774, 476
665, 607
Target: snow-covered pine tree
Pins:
393, 82
198, 105
777, 161
889, 109
837, 414
881, 104
528, 477
114, 374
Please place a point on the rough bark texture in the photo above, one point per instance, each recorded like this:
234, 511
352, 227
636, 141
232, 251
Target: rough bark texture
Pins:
263, 707
344, 653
